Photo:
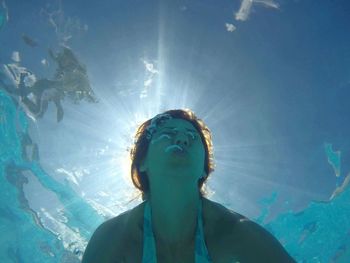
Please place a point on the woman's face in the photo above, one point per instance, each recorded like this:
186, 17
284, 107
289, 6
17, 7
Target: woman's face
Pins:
175, 150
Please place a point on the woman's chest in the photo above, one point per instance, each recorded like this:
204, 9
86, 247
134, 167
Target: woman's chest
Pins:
217, 238
217, 247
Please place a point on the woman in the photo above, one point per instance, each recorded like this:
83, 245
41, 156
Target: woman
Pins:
171, 160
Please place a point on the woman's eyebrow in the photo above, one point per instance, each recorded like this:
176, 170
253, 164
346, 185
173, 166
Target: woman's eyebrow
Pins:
167, 127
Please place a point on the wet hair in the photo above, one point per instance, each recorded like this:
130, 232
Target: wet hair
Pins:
143, 137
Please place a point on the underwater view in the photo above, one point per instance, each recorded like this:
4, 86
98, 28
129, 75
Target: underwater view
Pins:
270, 78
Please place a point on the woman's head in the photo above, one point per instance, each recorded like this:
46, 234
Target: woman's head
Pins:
175, 142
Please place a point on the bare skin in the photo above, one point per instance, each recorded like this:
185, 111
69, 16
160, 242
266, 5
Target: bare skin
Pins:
174, 163
173, 180
230, 237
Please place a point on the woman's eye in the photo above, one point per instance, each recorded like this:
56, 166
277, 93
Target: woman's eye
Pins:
192, 135
167, 134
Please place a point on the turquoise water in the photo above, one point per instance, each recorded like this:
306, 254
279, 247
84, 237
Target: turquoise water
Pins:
26, 239
22, 229
270, 78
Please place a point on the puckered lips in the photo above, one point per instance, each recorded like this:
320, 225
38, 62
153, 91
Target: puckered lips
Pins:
176, 149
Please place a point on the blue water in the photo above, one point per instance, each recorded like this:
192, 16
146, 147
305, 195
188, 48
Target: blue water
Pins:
270, 78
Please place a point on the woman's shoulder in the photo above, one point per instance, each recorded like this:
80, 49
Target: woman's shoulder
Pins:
219, 214
239, 236
113, 225
107, 241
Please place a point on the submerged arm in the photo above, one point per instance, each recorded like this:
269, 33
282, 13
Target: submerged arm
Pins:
259, 245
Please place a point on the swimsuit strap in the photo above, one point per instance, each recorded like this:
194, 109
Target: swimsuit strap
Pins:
149, 254
201, 251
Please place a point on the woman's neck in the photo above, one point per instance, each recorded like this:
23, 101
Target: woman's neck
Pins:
174, 218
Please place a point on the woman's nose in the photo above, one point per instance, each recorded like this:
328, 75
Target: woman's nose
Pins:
182, 140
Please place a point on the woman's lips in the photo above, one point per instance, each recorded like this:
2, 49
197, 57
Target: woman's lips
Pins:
175, 148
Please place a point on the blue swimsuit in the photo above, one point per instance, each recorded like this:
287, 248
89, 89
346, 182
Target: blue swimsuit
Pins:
149, 247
